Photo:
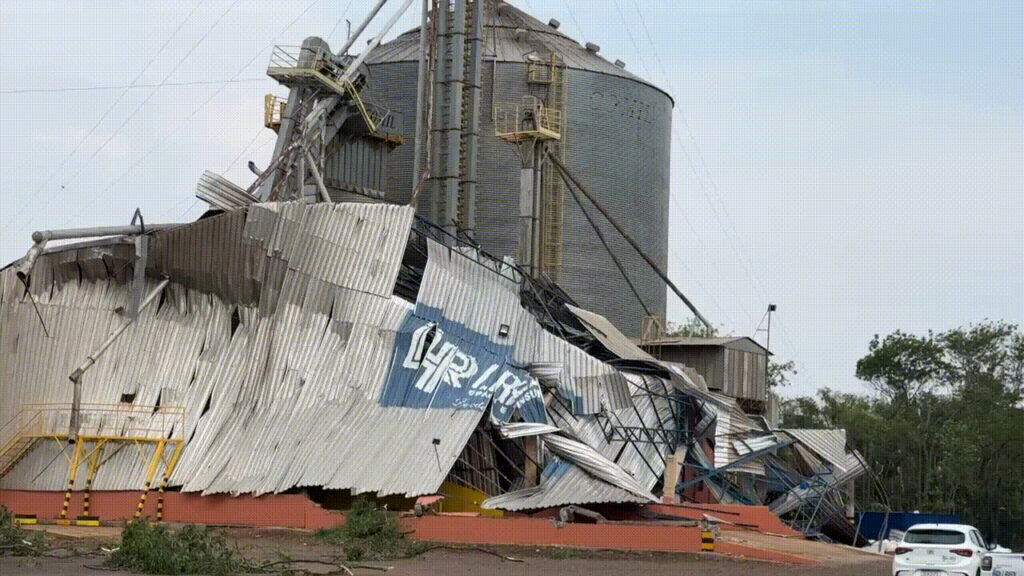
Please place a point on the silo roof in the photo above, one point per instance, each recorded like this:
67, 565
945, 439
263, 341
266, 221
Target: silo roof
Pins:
501, 22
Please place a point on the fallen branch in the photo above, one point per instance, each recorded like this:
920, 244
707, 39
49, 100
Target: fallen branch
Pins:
463, 548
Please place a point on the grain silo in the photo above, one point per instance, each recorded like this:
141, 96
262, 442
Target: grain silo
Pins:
610, 127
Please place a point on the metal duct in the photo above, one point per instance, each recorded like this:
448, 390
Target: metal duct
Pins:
456, 83
437, 108
473, 130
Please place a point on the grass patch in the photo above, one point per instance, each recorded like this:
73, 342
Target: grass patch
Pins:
369, 533
15, 541
190, 550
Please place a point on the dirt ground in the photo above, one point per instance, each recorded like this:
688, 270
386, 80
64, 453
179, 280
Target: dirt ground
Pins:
83, 552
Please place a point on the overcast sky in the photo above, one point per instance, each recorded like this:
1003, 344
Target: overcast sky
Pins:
860, 164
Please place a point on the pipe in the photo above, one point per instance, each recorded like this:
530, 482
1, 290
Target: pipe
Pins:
316, 176
421, 102
473, 133
41, 237
90, 360
566, 175
362, 26
456, 83
351, 70
608, 248
440, 59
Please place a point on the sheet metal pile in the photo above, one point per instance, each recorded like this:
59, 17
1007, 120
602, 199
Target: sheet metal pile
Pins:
353, 346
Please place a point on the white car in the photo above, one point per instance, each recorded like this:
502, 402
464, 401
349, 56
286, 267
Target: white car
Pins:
939, 550
1003, 564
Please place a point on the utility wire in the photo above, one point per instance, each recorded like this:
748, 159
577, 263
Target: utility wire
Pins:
55, 173
686, 124
723, 217
95, 198
128, 87
166, 78
675, 257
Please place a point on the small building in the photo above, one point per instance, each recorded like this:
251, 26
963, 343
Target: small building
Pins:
732, 365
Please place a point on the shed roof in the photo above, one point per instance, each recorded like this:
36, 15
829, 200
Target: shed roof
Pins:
726, 341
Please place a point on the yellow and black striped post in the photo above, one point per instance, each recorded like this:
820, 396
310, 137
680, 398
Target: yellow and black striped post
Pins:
72, 472
163, 482
160, 499
94, 464
707, 540
153, 465
22, 519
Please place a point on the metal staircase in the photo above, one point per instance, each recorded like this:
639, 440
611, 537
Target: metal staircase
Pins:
21, 433
98, 425
303, 66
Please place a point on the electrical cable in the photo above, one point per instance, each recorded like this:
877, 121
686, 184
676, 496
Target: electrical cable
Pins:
53, 174
196, 110
127, 87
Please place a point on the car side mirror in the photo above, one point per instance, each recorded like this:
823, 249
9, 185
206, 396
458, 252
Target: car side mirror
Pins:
991, 546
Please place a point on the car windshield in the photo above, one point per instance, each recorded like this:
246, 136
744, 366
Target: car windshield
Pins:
944, 537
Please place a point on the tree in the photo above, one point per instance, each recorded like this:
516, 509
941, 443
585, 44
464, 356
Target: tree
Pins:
779, 373
944, 429
692, 328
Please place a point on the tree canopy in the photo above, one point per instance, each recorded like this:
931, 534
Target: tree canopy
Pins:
943, 429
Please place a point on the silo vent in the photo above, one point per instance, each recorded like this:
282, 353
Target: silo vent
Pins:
554, 23
504, 10
591, 47
522, 35
620, 64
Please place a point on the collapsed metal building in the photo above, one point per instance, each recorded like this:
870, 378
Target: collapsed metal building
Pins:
294, 338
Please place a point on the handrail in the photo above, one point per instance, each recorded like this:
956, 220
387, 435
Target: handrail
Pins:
122, 420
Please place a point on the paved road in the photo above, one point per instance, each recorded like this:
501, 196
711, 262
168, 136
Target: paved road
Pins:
472, 563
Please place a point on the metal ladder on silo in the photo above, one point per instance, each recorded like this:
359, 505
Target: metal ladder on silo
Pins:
551, 73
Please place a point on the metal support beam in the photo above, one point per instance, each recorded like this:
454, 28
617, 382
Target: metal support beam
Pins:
362, 26
311, 165
654, 265
90, 360
421, 102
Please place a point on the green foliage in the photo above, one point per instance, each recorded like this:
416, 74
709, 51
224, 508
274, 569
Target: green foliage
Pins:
779, 373
692, 328
191, 550
15, 541
369, 533
944, 431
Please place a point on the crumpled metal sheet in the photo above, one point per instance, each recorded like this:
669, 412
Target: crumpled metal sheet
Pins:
829, 444
276, 335
853, 467
606, 332
219, 192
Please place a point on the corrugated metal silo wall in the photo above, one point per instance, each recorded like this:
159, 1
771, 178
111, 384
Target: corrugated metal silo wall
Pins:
616, 140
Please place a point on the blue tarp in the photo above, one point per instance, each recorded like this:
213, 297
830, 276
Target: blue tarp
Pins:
873, 523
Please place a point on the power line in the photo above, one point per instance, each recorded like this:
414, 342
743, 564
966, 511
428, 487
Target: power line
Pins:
128, 87
338, 22
700, 156
695, 277
196, 110
723, 220
55, 173
167, 77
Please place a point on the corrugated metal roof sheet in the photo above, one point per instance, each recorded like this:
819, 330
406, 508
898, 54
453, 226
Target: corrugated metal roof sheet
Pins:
829, 444
616, 342
280, 337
